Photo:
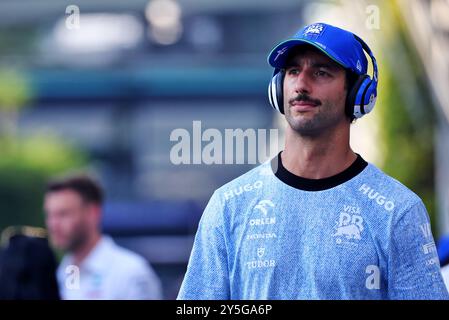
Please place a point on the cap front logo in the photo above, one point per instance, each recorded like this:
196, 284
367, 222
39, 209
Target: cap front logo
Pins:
314, 28
280, 53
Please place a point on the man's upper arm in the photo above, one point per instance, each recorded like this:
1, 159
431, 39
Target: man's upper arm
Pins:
207, 272
414, 268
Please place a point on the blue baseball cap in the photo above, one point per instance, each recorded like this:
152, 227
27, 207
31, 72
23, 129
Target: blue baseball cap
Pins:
338, 44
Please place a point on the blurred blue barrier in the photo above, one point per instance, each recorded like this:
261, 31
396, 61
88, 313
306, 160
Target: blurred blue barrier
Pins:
160, 231
150, 218
443, 250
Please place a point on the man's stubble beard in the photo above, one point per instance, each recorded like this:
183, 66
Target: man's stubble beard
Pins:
79, 238
323, 119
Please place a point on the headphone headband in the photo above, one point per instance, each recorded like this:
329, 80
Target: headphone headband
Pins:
370, 53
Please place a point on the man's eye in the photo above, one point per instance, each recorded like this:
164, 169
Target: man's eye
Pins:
293, 71
321, 73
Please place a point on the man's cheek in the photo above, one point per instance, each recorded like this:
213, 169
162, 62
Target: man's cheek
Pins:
67, 226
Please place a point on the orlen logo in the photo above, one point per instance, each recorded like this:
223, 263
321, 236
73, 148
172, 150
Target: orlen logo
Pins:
374, 195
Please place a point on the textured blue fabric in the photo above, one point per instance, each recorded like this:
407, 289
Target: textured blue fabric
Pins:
367, 238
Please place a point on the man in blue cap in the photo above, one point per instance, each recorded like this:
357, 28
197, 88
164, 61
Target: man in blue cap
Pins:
317, 221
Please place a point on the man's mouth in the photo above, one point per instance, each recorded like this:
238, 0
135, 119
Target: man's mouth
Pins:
304, 105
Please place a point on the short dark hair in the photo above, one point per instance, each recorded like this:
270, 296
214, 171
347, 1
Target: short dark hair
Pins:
88, 189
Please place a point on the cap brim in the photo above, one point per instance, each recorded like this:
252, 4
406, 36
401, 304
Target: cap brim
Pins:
278, 56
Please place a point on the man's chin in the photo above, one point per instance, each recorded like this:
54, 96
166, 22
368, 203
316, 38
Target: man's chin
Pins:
301, 120
305, 127
59, 245
302, 116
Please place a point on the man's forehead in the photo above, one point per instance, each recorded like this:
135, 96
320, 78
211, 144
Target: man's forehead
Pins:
312, 55
64, 195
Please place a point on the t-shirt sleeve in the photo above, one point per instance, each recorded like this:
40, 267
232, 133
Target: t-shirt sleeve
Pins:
414, 268
207, 271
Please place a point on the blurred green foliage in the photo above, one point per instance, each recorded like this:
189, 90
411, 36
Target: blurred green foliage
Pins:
25, 166
408, 153
14, 90
26, 163
407, 125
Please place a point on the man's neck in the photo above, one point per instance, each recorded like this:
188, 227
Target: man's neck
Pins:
81, 253
319, 156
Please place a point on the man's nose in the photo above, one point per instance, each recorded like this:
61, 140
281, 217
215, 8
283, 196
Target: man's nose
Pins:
302, 83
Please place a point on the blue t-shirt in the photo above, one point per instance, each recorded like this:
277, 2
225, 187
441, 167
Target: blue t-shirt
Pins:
272, 235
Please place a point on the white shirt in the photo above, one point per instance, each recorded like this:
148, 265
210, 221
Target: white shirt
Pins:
109, 272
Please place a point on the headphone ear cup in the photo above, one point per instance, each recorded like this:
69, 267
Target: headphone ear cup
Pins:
369, 98
275, 91
352, 96
365, 98
280, 90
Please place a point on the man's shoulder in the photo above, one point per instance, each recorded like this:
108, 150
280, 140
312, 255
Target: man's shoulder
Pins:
246, 183
127, 259
234, 194
380, 186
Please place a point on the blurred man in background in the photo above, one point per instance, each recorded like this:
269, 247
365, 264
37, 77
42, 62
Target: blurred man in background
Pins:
94, 267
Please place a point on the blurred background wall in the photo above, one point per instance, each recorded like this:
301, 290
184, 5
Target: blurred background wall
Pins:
103, 91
